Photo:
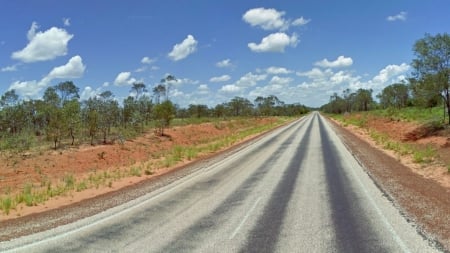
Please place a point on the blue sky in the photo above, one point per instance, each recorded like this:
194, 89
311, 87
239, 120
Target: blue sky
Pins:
299, 51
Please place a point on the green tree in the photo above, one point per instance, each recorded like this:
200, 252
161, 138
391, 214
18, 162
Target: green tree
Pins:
72, 117
139, 89
432, 65
270, 105
108, 113
67, 91
91, 118
159, 91
395, 95
55, 123
240, 106
220, 110
336, 105
164, 113
167, 82
362, 99
12, 113
198, 111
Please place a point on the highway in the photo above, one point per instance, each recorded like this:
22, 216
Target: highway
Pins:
297, 189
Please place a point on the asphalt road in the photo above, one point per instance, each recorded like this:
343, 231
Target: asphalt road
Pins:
298, 189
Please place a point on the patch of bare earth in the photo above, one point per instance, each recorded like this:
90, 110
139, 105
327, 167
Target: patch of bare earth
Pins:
36, 166
420, 191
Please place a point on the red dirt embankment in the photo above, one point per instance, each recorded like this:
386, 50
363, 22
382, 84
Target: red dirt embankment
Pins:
420, 191
46, 166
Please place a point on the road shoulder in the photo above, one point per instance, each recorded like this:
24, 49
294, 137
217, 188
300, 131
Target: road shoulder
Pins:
421, 201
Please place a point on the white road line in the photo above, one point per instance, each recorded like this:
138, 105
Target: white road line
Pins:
386, 222
245, 218
129, 206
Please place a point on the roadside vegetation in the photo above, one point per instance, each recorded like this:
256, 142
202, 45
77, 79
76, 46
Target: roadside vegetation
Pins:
60, 121
424, 99
35, 193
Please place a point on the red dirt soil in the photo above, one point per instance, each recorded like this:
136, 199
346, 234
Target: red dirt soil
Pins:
410, 132
17, 170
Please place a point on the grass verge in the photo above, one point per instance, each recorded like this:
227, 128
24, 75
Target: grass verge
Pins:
36, 194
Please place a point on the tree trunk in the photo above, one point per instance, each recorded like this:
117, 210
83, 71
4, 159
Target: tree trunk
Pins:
73, 136
447, 102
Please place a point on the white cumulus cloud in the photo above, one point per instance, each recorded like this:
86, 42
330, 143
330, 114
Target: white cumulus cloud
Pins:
301, 21
230, 88
184, 49
224, 63
275, 42
271, 19
27, 89
87, 93
281, 81
277, 70
401, 16
341, 61
203, 89
9, 68
43, 46
124, 78
74, 68
222, 78
147, 60
390, 72
66, 21
250, 79
267, 19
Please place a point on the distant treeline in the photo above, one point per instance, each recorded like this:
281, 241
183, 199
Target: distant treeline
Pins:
61, 115
428, 87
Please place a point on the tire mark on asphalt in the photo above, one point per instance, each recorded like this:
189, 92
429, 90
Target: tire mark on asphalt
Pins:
198, 232
164, 209
264, 236
352, 228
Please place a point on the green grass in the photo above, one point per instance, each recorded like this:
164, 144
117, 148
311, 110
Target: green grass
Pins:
6, 204
413, 114
135, 171
37, 194
427, 117
424, 155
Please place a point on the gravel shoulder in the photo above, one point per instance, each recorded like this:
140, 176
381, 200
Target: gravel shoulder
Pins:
421, 200
38, 222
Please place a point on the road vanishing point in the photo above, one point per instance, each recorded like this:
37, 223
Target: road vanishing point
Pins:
296, 189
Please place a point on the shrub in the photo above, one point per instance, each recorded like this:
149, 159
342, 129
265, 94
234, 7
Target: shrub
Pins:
6, 204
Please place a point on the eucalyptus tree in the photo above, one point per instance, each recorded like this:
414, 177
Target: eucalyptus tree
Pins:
432, 66
55, 123
269, 105
139, 89
167, 82
362, 99
108, 113
159, 91
164, 113
240, 106
91, 117
198, 111
67, 91
220, 110
395, 95
12, 113
72, 117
